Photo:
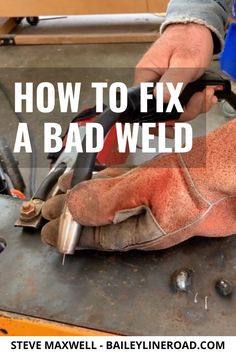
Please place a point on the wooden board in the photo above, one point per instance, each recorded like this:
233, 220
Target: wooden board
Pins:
81, 38
159, 6
23, 8
72, 30
7, 25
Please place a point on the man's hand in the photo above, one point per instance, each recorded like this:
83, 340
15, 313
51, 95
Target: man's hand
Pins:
158, 204
181, 54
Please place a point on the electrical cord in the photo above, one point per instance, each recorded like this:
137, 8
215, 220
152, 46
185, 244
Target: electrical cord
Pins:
33, 155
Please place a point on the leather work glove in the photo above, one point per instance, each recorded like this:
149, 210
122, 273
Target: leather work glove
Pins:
157, 205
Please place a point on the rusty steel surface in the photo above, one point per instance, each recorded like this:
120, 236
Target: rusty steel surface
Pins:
125, 293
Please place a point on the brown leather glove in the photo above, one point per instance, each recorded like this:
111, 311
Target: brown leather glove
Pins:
158, 204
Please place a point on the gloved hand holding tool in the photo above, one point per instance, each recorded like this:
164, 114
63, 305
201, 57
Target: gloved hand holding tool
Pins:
156, 205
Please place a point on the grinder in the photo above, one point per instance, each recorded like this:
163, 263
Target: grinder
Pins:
69, 229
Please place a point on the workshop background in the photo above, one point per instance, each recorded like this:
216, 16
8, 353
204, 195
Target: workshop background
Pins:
96, 62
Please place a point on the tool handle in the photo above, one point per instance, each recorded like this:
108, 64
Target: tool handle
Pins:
85, 162
208, 79
134, 113
49, 182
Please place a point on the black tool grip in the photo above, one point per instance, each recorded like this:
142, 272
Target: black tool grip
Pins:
134, 114
85, 162
208, 79
49, 182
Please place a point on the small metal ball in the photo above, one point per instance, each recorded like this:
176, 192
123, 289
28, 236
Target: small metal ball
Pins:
224, 287
181, 280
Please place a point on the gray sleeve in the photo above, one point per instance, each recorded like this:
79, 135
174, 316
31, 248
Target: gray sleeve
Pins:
211, 13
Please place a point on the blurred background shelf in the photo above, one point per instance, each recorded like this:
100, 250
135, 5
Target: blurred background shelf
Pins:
24, 8
86, 29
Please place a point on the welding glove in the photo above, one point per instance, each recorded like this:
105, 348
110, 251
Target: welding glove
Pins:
157, 205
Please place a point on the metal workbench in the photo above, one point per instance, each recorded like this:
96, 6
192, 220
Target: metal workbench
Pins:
125, 293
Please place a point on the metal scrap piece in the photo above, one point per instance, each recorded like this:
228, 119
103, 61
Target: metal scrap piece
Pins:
181, 280
224, 287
